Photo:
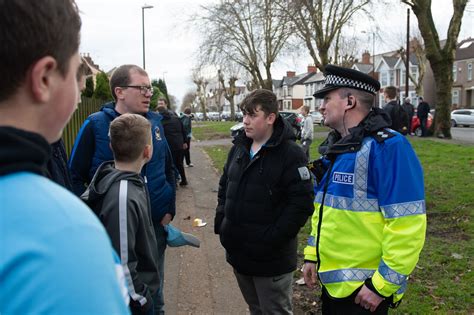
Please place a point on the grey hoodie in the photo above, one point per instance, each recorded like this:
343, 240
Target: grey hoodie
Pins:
120, 199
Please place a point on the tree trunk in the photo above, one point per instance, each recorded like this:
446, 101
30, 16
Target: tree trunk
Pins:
443, 78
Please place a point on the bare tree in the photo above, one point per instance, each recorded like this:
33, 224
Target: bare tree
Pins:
441, 58
416, 48
248, 33
188, 100
230, 91
319, 23
201, 84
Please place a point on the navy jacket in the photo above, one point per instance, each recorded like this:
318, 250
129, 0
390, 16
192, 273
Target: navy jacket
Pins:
91, 149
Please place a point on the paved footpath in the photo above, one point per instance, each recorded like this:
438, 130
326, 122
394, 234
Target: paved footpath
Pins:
199, 280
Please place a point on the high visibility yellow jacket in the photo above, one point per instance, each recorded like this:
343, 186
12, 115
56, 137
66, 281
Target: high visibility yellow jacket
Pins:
369, 220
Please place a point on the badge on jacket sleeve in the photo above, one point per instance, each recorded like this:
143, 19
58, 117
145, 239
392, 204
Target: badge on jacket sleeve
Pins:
157, 133
304, 173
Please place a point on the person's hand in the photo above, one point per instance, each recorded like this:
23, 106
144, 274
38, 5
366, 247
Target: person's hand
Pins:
368, 299
166, 219
309, 274
185, 146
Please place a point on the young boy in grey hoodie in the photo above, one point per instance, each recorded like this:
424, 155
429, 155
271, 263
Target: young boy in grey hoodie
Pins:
119, 197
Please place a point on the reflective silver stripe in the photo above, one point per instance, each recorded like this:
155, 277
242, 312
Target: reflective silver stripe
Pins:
404, 209
124, 241
391, 275
311, 241
349, 204
343, 275
403, 288
361, 170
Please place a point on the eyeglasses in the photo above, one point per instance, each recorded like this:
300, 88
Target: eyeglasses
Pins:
143, 89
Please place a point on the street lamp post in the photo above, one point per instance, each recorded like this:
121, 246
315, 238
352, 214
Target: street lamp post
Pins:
143, 30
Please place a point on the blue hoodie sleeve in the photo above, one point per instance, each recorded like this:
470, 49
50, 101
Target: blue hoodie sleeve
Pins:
81, 158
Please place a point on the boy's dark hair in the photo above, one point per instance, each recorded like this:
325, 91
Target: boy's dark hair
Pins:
187, 111
266, 99
121, 77
129, 134
391, 92
31, 30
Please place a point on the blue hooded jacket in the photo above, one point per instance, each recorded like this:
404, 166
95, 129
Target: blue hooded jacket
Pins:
92, 148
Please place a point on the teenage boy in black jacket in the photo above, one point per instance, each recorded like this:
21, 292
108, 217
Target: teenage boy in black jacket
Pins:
119, 197
265, 197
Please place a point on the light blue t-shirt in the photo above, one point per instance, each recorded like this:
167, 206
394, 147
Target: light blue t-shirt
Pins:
55, 256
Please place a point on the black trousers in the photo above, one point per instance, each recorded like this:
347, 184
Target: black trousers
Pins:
187, 156
345, 306
178, 162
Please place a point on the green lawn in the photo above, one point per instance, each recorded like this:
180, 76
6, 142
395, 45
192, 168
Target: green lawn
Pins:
443, 280
210, 130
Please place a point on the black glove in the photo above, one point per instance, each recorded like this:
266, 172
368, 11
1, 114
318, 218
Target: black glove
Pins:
318, 169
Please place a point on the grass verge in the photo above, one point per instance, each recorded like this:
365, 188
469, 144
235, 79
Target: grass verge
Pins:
211, 130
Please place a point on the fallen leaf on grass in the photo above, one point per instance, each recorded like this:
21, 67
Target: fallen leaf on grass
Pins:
300, 281
456, 256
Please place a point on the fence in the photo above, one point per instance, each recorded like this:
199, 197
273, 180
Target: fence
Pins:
85, 108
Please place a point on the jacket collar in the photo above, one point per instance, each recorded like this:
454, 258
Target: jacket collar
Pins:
23, 151
335, 144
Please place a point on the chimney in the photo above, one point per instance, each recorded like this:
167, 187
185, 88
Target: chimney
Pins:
312, 69
290, 74
366, 58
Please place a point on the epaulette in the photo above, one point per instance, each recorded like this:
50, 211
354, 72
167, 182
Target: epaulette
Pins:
383, 134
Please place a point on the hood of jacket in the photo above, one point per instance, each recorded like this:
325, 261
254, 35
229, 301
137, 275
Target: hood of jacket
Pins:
282, 131
23, 151
105, 176
335, 144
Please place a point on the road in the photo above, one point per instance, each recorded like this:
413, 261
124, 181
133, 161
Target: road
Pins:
463, 135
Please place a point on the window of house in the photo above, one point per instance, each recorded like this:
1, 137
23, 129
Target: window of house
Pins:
392, 77
402, 77
285, 90
455, 72
469, 71
455, 97
414, 73
384, 78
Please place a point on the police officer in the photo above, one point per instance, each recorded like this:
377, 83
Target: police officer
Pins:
369, 221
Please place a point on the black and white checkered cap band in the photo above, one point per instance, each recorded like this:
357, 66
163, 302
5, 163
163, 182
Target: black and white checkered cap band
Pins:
335, 80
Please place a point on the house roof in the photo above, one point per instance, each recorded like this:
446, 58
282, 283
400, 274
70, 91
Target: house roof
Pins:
276, 83
297, 79
391, 61
362, 67
314, 77
465, 49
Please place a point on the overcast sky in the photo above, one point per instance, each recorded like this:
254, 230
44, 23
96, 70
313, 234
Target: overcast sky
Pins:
112, 35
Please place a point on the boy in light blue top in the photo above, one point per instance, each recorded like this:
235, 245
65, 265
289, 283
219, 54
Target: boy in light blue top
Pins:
55, 256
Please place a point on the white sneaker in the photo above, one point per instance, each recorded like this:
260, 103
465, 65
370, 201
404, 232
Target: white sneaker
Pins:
190, 165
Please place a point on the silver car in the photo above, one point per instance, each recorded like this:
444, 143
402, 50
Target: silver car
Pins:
317, 118
462, 117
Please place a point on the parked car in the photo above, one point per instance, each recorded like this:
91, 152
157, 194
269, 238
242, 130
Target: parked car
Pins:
293, 118
462, 117
317, 118
416, 126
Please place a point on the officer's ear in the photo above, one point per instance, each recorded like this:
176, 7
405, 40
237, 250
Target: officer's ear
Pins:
351, 102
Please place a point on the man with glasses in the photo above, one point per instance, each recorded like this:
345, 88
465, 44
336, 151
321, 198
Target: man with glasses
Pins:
131, 89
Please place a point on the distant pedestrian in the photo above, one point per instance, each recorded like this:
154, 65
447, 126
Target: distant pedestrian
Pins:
307, 130
186, 119
422, 112
410, 110
265, 197
398, 116
118, 196
176, 138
